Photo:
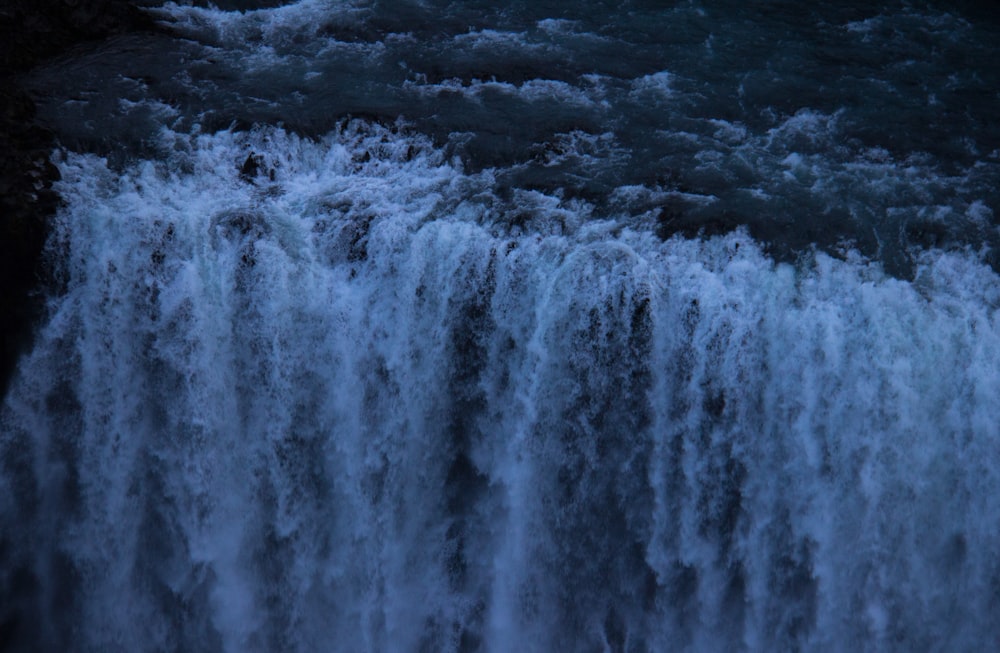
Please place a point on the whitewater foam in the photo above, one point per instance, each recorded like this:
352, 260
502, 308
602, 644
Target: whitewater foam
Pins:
359, 401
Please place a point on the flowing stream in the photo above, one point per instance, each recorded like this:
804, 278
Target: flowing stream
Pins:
432, 357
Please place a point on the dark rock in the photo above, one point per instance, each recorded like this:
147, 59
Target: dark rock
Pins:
251, 167
237, 226
31, 30
26, 202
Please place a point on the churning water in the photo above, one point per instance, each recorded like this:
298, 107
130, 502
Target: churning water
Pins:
442, 327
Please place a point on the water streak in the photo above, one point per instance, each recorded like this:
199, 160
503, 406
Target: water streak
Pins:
355, 400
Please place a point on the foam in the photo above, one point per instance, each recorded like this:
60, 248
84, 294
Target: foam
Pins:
353, 407
658, 84
534, 90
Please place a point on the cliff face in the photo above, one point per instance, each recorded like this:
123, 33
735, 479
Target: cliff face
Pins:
26, 202
31, 31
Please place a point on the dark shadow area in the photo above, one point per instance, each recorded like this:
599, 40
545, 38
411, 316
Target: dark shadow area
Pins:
32, 31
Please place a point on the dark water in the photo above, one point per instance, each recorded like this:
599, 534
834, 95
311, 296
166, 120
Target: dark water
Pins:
869, 125
606, 326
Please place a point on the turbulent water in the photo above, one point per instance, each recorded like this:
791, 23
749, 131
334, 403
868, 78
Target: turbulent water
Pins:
433, 326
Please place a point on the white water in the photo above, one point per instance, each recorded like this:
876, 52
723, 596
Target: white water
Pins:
370, 406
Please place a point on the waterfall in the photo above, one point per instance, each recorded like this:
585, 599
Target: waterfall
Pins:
355, 399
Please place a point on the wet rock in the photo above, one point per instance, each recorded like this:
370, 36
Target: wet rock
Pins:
26, 202
237, 226
250, 167
254, 167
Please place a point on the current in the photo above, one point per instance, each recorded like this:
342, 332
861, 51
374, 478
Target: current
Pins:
448, 327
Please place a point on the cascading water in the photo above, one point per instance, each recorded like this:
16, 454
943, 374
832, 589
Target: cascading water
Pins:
348, 409
482, 378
